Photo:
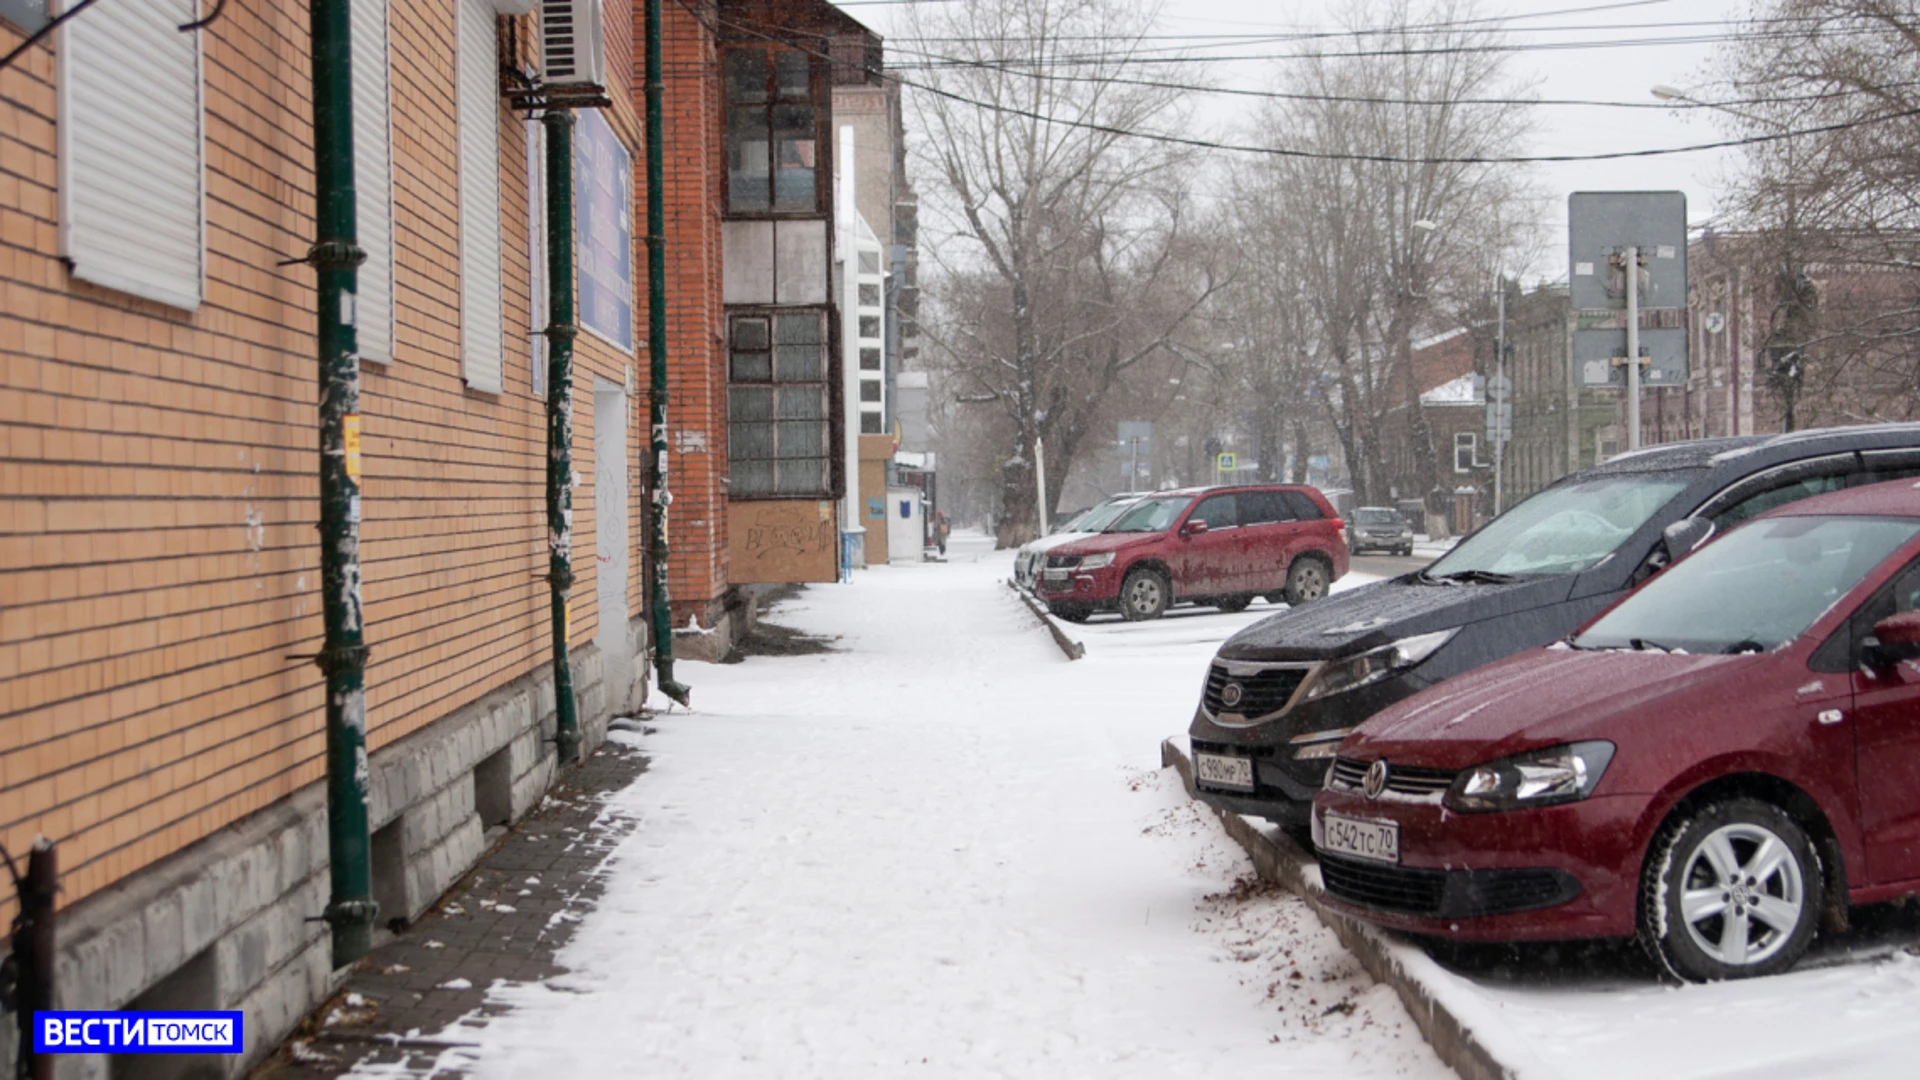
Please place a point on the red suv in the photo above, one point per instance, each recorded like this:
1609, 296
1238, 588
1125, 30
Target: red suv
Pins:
1218, 545
1721, 757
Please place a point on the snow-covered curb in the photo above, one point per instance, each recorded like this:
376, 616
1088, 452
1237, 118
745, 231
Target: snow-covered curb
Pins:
1473, 1044
1073, 649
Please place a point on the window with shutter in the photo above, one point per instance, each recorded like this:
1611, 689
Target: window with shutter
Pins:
373, 181
482, 338
131, 168
537, 253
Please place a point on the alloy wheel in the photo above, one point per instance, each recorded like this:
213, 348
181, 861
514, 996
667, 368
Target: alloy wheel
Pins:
1742, 894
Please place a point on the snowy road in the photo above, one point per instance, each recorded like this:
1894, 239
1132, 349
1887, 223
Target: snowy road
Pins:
940, 850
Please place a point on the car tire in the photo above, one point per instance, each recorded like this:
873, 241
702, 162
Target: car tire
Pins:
1075, 613
1741, 854
1407, 551
1307, 580
1144, 594
1231, 604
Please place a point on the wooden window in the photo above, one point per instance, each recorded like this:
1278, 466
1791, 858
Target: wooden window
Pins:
773, 131
777, 421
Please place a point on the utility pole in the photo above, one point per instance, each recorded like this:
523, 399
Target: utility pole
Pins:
336, 257
1040, 481
1500, 377
657, 361
1633, 347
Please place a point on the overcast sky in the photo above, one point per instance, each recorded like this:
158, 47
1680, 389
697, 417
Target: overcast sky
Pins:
1569, 63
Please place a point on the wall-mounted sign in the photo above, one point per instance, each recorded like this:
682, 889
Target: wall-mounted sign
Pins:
603, 228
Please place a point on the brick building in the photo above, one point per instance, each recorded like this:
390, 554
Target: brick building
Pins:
158, 487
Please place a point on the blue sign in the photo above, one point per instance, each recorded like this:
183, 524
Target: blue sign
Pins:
110, 1031
603, 188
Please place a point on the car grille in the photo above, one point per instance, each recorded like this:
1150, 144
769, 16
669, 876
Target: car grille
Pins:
1265, 691
1351, 774
1062, 562
1389, 888
1445, 894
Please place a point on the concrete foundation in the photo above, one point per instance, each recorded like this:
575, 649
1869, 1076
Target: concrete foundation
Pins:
231, 922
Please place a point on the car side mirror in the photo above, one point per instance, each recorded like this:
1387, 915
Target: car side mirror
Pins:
1684, 535
1193, 528
1895, 638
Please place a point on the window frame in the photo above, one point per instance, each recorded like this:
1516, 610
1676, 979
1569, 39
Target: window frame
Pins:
818, 99
825, 381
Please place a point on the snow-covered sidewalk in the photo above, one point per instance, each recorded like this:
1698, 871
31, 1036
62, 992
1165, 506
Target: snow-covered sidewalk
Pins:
939, 850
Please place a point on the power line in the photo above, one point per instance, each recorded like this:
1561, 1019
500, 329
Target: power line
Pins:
1323, 155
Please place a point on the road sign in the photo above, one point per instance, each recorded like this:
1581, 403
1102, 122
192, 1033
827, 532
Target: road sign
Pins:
1601, 226
1500, 421
1499, 388
1227, 462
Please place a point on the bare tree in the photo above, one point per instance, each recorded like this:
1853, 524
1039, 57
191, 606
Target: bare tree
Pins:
1829, 201
1082, 228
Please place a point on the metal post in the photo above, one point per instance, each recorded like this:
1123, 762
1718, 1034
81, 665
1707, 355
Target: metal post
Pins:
1500, 374
336, 255
1633, 348
1040, 481
657, 362
560, 334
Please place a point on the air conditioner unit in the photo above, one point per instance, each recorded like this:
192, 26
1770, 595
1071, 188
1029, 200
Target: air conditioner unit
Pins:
573, 44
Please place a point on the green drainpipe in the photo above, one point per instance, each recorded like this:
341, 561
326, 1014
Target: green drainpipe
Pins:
560, 334
336, 255
657, 362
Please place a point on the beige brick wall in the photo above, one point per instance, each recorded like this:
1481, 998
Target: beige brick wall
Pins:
158, 555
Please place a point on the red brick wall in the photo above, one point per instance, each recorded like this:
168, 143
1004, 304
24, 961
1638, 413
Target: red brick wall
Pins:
694, 169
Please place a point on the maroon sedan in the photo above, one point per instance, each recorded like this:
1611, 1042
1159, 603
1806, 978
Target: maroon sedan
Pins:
1710, 764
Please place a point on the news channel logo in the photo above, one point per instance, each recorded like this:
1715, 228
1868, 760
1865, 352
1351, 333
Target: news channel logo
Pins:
110, 1031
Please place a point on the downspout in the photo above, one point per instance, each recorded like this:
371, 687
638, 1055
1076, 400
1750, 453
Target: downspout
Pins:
560, 334
336, 256
657, 363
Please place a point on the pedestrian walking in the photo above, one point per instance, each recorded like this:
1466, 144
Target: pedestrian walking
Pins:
940, 530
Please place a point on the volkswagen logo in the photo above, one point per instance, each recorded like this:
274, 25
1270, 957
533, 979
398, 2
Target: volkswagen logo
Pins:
1231, 694
1376, 778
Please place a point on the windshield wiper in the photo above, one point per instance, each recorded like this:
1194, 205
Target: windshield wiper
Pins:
1747, 645
1482, 577
1642, 645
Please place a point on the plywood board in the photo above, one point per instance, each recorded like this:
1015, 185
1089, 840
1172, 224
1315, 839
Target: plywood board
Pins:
783, 540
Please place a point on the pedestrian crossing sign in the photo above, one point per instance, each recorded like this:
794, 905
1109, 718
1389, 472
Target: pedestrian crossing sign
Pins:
1228, 462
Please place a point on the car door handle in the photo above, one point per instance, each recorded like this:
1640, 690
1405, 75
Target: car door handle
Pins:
1830, 717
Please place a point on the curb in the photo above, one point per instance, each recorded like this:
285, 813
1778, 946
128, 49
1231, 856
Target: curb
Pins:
1279, 860
1073, 649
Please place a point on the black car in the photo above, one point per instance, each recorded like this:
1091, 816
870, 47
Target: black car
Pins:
1282, 693
1379, 528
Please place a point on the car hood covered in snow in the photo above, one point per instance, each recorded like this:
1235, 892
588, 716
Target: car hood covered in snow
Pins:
1373, 615
1543, 697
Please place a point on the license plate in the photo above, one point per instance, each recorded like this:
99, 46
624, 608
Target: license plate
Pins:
1360, 838
1054, 577
1221, 771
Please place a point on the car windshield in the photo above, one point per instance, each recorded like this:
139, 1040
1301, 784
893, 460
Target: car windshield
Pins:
1376, 517
1755, 589
1564, 529
1149, 515
1100, 517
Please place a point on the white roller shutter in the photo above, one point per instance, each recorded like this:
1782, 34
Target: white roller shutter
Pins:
482, 338
131, 173
537, 252
373, 180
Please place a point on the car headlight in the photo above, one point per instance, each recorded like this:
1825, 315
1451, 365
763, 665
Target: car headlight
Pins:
1340, 676
1095, 562
1557, 774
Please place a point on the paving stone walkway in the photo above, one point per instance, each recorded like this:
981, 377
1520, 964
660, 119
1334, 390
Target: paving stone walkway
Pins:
407, 1002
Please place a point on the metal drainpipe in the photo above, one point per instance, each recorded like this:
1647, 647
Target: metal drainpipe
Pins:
657, 363
336, 255
560, 334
